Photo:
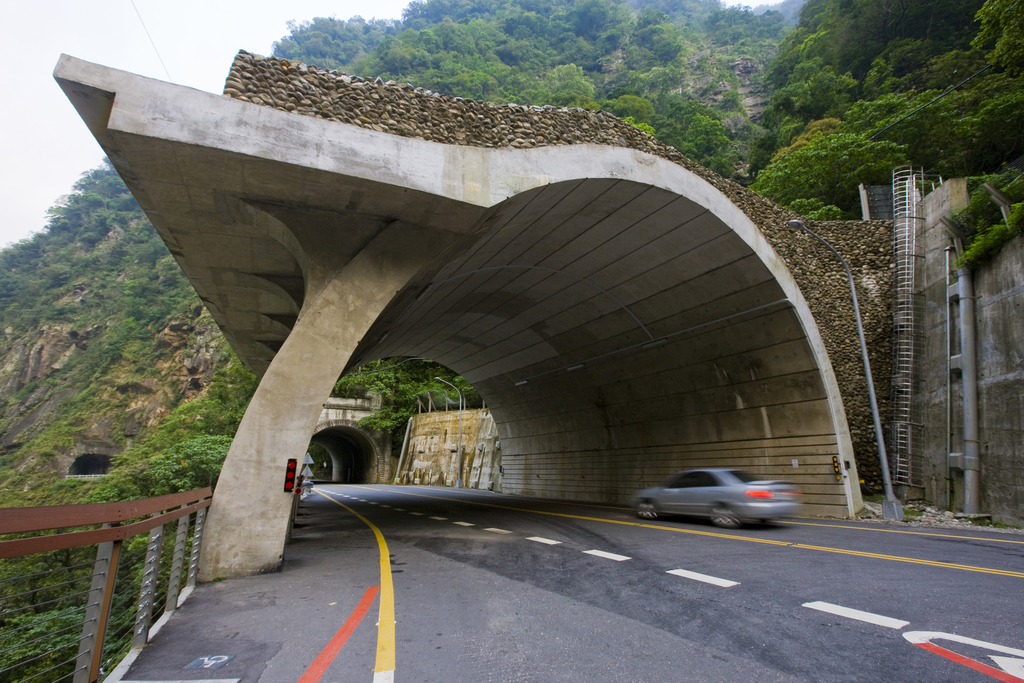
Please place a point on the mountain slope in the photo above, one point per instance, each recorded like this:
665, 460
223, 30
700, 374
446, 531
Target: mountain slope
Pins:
103, 337
688, 68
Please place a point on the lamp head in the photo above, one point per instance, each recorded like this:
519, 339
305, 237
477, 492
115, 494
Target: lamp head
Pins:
796, 225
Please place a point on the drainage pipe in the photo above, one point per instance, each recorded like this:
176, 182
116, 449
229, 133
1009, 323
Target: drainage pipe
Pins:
405, 450
949, 387
968, 359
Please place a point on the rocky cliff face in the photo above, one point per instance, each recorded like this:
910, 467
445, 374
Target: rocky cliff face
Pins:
36, 392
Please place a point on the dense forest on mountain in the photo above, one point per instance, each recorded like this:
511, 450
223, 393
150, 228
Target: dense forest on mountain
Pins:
856, 88
682, 67
860, 86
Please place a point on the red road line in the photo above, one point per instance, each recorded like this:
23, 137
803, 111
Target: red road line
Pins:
997, 674
327, 655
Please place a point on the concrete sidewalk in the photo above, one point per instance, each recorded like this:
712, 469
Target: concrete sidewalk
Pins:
271, 627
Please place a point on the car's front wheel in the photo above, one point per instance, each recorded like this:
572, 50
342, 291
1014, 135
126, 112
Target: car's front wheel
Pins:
723, 516
645, 509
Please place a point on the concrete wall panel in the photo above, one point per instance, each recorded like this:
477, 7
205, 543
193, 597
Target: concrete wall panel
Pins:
999, 303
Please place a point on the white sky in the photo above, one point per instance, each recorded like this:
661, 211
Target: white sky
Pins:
45, 147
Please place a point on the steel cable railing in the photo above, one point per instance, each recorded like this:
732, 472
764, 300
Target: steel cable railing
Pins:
66, 616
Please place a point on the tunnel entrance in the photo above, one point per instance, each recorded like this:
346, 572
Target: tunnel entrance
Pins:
90, 464
351, 456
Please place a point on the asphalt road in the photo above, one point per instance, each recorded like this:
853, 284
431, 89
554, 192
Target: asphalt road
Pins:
489, 587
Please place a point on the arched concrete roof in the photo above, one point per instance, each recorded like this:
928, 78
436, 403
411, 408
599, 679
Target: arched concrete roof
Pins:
622, 315
621, 331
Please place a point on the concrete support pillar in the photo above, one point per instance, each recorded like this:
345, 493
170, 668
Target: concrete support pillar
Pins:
248, 522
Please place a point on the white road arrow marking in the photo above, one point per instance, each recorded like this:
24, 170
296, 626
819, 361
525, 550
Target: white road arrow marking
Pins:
1010, 665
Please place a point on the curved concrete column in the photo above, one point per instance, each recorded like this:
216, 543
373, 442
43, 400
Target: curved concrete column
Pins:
248, 521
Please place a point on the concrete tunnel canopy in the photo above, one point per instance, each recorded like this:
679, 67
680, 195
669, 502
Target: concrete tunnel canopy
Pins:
619, 312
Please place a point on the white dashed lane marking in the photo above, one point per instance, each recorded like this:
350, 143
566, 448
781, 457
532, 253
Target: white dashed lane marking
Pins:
498, 531
607, 556
440, 519
399, 509
418, 514
724, 583
545, 541
870, 618
464, 523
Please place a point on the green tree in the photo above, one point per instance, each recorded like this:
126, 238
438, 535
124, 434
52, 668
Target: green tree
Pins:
639, 109
188, 465
567, 83
1002, 23
829, 169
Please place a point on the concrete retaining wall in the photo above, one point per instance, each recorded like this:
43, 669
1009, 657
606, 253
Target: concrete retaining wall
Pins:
999, 321
431, 461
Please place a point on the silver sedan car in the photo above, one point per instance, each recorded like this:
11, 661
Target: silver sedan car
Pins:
726, 496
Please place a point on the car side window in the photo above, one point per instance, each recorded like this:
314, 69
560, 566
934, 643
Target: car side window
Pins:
685, 481
705, 479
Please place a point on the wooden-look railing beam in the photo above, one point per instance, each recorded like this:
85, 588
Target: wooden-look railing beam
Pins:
42, 544
22, 520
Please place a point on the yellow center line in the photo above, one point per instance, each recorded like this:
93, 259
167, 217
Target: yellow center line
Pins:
900, 531
984, 539
764, 541
385, 664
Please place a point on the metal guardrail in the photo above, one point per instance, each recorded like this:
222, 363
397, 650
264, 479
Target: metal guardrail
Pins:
66, 618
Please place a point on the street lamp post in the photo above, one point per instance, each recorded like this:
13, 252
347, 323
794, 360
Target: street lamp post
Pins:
458, 477
891, 507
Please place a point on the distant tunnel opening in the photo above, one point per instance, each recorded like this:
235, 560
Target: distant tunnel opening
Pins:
351, 457
90, 463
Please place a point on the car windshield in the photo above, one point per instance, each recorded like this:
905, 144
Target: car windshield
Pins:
747, 477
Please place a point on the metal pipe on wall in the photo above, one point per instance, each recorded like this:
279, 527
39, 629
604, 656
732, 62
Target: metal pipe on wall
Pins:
972, 463
949, 387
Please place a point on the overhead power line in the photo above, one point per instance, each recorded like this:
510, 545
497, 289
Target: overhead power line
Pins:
151, 42
948, 90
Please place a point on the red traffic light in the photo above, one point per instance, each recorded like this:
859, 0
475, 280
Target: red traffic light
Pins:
289, 475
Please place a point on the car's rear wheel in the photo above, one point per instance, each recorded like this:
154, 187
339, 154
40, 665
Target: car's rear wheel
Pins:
723, 516
645, 509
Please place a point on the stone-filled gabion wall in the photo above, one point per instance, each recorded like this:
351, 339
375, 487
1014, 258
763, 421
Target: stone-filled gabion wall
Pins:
401, 109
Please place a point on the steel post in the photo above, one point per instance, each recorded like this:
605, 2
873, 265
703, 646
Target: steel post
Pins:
97, 611
177, 564
197, 543
147, 594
